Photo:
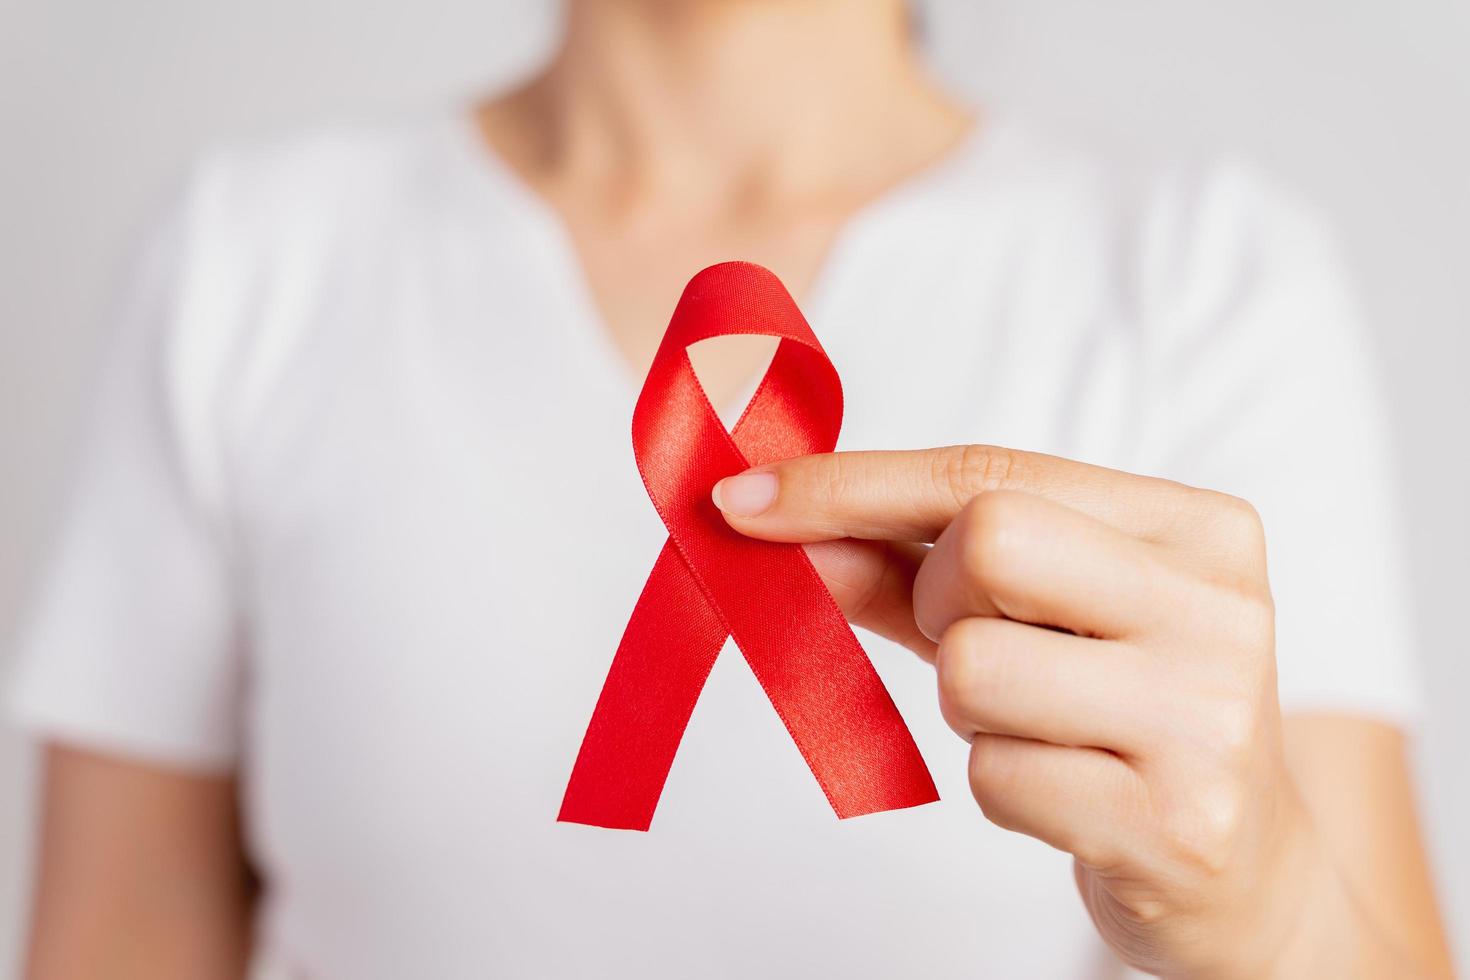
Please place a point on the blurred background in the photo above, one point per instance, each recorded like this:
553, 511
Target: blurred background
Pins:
1363, 107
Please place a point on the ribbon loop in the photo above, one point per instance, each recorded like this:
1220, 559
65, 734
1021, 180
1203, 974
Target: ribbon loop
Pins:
710, 582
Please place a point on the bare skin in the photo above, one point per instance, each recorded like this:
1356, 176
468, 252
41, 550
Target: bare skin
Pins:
141, 873
670, 134
1105, 643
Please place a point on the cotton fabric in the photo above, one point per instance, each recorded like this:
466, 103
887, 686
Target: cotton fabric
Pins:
357, 517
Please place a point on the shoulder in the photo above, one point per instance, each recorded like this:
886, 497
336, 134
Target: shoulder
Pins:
311, 187
1195, 201
1177, 239
246, 225
257, 242
1046, 165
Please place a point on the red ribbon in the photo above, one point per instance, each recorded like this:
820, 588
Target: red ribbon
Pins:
710, 582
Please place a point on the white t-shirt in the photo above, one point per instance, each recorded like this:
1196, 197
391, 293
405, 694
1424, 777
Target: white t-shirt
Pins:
335, 526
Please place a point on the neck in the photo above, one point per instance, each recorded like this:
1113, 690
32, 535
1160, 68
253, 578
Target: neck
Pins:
745, 97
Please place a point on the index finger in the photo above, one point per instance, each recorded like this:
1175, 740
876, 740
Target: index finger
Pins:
912, 495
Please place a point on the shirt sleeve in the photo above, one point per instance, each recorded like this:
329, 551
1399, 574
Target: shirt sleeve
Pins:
131, 646
1263, 385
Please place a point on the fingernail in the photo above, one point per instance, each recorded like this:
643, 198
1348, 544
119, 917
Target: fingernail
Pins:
746, 495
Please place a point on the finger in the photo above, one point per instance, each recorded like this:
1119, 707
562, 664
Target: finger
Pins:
1006, 678
1083, 801
873, 583
912, 496
1033, 560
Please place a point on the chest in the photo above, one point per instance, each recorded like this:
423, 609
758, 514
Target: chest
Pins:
445, 532
634, 270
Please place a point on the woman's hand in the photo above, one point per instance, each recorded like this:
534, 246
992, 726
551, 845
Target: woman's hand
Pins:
1105, 643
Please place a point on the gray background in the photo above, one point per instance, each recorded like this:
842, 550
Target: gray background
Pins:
1365, 107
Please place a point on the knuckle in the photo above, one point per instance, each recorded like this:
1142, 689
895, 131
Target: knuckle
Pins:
835, 481
1248, 617
1203, 835
1093, 854
952, 664
1145, 911
1235, 523
969, 660
989, 539
996, 781
1235, 612
991, 776
957, 666
968, 470
1231, 730
1238, 513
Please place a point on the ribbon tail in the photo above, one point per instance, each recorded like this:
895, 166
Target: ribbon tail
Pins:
828, 694
665, 656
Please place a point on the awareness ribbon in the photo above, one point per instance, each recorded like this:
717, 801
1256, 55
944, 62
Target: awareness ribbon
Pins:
710, 582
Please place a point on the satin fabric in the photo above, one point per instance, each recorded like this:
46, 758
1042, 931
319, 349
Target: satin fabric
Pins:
710, 582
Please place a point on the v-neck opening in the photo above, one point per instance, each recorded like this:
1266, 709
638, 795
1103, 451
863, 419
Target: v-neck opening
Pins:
496, 173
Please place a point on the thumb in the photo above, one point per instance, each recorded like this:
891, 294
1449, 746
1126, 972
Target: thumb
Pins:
877, 496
